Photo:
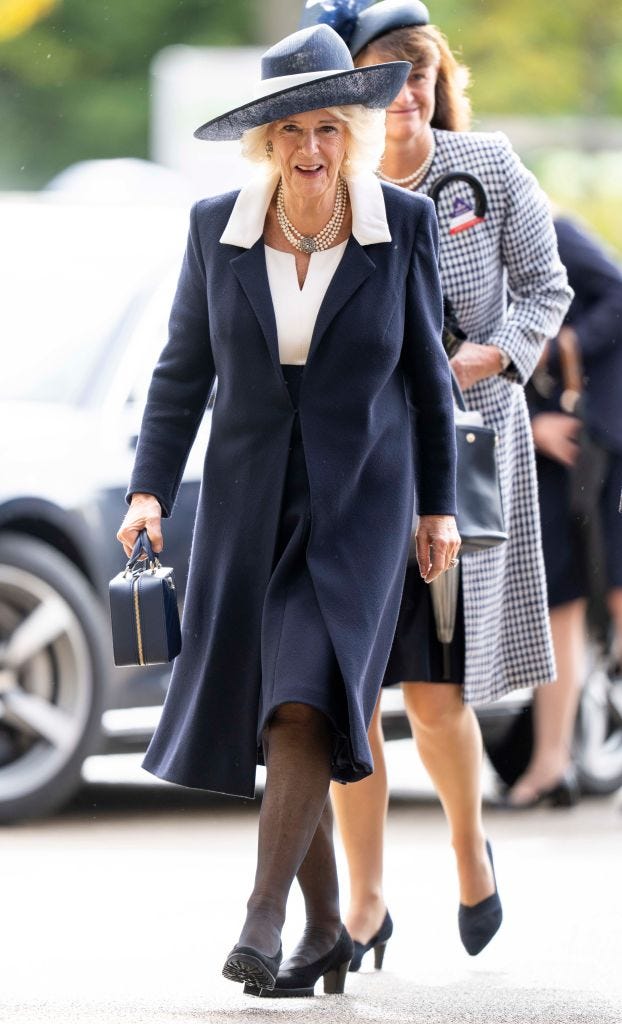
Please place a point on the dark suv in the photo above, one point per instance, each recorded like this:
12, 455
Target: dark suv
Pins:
87, 294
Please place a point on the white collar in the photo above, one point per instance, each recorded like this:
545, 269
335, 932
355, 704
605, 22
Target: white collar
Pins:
369, 215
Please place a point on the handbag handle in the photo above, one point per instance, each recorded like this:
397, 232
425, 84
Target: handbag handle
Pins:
453, 335
479, 193
457, 392
143, 544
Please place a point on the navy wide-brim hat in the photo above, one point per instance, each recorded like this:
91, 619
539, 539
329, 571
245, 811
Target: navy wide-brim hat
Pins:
360, 22
308, 70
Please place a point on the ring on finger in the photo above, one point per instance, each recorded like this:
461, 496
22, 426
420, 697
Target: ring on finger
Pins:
453, 563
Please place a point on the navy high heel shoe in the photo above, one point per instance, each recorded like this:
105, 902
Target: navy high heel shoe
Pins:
294, 982
477, 925
378, 943
247, 965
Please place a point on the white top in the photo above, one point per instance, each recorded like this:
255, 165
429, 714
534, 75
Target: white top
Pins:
295, 308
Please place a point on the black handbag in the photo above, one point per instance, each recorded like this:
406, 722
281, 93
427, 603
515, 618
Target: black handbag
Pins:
478, 494
143, 610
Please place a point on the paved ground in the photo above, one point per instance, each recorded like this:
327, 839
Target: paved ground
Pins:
123, 909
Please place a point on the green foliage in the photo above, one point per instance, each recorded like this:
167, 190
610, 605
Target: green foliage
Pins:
76, 84
537, 57
588, 186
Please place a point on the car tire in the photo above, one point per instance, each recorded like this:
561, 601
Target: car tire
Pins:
598, 733
52, 675
508, 739
597, 745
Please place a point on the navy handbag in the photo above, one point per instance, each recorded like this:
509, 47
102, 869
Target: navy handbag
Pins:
480, 519
143, 610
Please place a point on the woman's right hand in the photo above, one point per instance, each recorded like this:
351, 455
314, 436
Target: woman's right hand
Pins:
556, 435
145, 512
438, 544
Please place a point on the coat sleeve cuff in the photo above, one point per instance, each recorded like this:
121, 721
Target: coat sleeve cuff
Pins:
165, 504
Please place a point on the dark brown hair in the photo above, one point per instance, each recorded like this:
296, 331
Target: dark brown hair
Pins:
426, 46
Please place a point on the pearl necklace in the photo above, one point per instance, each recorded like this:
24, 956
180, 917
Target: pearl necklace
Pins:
324, 238
417, 176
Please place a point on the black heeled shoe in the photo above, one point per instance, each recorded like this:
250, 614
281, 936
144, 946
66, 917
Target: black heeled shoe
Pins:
564, 793
378, 943
477, 925
247, 965
294, 982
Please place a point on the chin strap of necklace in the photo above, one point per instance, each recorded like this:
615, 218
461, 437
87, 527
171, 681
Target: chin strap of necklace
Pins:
417, 176
325, 238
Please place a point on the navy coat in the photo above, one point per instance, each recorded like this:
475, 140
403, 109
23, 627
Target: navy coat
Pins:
376, 345
596, 316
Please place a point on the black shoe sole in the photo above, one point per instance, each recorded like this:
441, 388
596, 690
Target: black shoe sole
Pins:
248, 970
334, 984
278, 993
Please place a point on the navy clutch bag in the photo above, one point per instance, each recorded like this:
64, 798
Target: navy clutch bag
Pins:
143, 610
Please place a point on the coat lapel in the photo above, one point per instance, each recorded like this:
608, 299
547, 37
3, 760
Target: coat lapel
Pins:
354, 268
250, 270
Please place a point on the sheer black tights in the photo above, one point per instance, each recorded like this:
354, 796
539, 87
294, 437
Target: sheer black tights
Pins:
295, 835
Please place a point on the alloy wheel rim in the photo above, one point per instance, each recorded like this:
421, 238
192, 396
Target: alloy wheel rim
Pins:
599, 727
46, 682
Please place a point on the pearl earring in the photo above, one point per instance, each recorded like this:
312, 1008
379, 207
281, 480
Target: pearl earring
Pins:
269, 149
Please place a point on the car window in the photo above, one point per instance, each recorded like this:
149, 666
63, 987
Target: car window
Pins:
143, 339
60, 310
147, 341
53, 333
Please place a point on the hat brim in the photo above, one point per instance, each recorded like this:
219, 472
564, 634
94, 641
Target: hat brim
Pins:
375, 86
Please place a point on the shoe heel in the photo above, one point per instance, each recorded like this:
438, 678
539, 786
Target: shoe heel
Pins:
379, 951
335, 980
566, 794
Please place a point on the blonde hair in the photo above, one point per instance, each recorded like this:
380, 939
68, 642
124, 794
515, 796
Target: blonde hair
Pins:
425, 46
364, 140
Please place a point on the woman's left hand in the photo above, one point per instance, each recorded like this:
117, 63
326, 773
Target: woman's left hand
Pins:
475, 362
438, 544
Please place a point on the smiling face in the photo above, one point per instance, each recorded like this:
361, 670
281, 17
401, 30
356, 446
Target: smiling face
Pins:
309, 149
412, 109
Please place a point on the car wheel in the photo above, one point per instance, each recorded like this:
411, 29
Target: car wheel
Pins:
598, 734
597, 746
508, 739
52, 672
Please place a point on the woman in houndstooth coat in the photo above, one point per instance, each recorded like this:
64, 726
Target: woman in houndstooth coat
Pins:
503, 276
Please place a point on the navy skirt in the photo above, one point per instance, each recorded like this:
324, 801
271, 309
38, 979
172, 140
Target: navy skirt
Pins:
298, 659
564, 557
417, 655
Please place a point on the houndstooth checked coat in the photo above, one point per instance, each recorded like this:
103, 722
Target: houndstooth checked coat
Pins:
513, 251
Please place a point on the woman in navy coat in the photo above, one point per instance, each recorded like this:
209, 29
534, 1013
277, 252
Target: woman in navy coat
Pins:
313, 297
591, 339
